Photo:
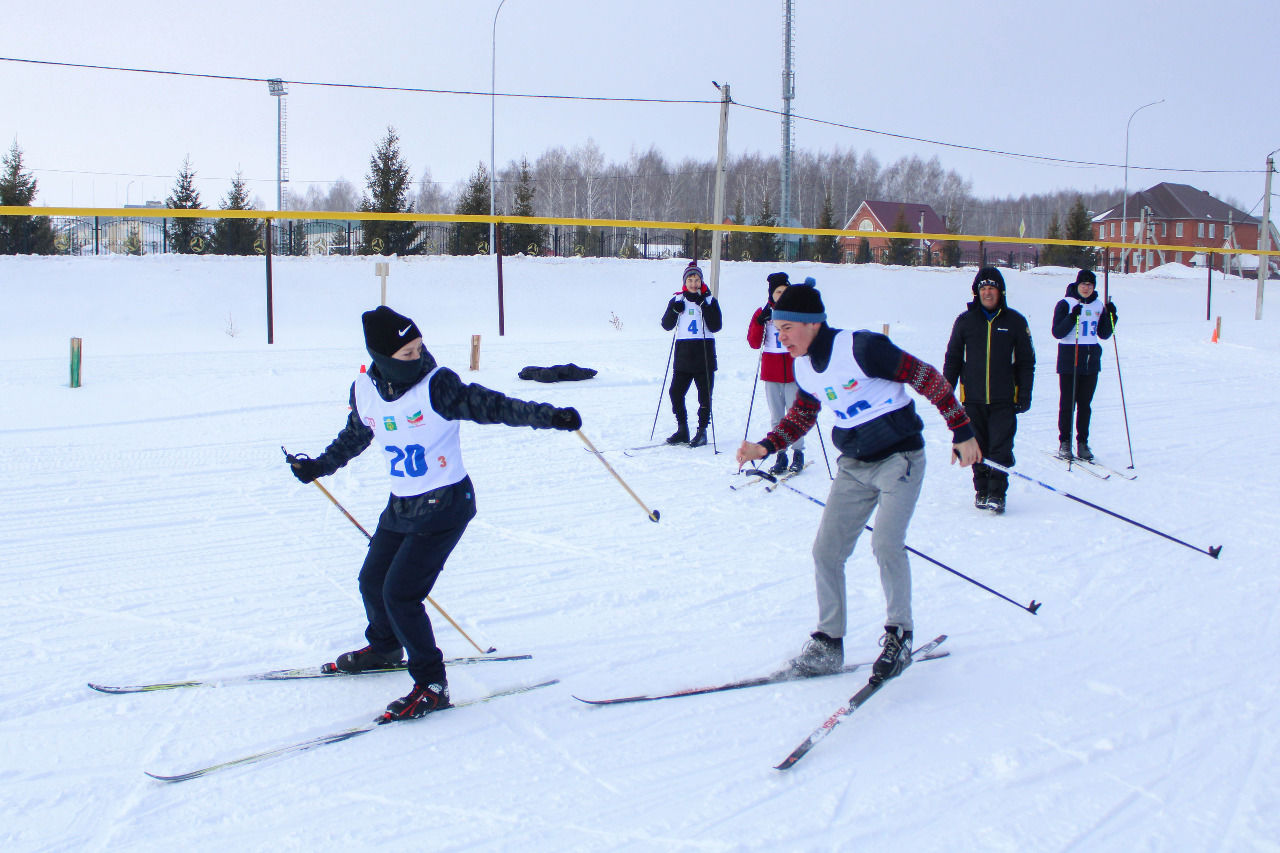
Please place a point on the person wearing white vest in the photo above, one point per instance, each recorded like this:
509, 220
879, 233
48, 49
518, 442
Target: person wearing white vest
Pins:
410, 407
860, 378
695, 315
1080, 321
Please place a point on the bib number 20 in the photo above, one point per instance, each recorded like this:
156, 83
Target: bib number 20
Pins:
411, 460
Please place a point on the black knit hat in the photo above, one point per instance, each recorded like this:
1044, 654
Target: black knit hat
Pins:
800, 305
1086, 276
988, 275
776, 280
385, 331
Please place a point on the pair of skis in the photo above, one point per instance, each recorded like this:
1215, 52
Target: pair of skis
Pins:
760, 475
1094, 468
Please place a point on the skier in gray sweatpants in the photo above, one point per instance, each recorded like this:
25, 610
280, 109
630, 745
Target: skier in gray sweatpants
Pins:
861, 378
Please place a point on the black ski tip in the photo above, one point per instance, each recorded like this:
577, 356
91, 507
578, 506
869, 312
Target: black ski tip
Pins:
490, 650
654, 516
1214, 551
1034, 607
760, 472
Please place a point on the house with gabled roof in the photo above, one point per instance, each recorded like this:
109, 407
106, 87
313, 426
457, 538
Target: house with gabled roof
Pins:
1175, 215
881, 216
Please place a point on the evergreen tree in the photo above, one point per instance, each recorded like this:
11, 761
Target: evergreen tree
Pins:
1053, 256
734, 245
763, 245
236, 236
951, 248
185, 236
901, 249
825, 248
26, 235
528, 239
472, 238
863, 253
389, 184
1079, 227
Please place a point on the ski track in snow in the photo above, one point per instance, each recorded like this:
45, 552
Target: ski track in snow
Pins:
151, 532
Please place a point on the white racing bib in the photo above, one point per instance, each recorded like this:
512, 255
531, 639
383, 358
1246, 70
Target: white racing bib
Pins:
421, 448
845, 390
692, 326
1087, 323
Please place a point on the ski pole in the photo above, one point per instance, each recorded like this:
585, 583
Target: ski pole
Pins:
1123, 408
1213, 550
654, 515
352, 519
751, 406
1072, 432
1031, 608
706, 363
661, 387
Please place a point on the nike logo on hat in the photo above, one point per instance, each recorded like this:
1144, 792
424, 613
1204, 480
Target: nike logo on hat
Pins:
405, 329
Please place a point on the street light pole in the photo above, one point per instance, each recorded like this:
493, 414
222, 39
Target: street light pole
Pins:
493, 100
1124, 205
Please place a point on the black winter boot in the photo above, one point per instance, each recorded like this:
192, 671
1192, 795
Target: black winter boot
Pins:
980, 500
995, 503
680, 436
366, 659
779, 463
422, 700
699, 438
1083, 451
895, 656
820, 656
797, 461
1064, 450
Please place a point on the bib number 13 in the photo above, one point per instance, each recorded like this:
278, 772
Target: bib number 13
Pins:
411, 460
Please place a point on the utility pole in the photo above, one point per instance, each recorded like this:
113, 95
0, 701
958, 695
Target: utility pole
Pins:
717, 213
1264, 240
788, 93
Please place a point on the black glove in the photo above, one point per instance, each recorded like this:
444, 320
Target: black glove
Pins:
1021, 407
676, 305
1075, 310
1111, 309
765, 315
304, 467
566, 419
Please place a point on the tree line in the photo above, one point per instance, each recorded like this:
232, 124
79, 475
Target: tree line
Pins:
581, 183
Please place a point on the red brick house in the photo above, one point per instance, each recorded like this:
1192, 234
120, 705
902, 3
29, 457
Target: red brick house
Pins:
881, 216
1175, 215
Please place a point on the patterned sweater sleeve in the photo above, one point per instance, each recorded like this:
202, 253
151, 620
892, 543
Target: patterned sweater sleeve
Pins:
930, 384
801, 417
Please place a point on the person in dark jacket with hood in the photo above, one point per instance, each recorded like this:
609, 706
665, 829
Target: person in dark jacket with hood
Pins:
991, 357
411, 407
1080, 321
695, 315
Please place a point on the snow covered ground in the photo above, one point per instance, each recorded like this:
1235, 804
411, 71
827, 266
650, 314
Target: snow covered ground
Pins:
151, 531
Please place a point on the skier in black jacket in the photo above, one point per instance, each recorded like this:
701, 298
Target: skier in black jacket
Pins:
991, 355
412, 407
1080, 321
695, 315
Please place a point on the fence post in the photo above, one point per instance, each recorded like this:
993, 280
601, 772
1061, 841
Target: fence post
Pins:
382, 269
75, 362
475, 352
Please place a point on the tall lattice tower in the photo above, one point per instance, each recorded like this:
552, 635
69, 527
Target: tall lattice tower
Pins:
788, 92
280, 93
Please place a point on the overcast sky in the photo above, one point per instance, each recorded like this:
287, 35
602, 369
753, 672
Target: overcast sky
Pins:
1033, 78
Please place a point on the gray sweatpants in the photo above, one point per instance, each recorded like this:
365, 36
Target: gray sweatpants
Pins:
893, 485
780, 396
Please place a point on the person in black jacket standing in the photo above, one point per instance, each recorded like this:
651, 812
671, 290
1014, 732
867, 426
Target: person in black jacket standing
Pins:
411, 407
990, 354
695, 315
1080, 321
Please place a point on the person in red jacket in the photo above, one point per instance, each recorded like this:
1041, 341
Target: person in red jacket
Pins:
776, 368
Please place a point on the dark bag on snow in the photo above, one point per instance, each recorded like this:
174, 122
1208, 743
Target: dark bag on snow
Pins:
557, 373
